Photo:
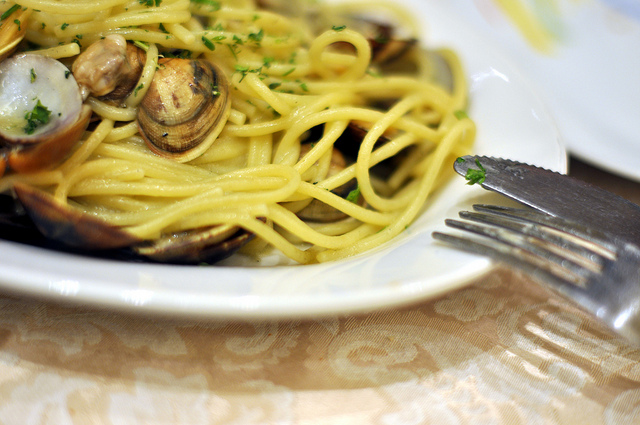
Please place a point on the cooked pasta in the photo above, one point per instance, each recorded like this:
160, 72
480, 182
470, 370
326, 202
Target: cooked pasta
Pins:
304, 85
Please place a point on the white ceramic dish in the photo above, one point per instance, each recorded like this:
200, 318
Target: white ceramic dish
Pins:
590, 80
512, 123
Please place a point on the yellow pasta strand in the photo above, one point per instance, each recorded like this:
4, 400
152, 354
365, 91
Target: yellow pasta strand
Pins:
317, 120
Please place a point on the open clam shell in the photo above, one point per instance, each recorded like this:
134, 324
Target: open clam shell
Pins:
42, 112
60, 222
71, 227
207, 245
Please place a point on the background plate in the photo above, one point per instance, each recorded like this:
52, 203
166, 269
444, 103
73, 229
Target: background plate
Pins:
512, 122
590, 79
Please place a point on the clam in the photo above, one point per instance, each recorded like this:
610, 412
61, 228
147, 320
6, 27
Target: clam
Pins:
71, 227
385, 46
62, 223
41, 112
395, 53
185, 108
208, 245
109, 68
352, 138
12, 29
317, 210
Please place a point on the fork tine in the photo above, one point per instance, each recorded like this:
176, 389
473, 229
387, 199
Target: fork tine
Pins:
528, 248
592, 238
585, 253
544, 246
535, 266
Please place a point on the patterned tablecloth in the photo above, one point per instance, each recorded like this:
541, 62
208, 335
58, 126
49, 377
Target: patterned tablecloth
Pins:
500, 351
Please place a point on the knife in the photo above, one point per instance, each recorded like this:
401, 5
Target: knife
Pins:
555, 194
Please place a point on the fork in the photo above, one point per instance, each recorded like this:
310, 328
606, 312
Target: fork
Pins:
598, 272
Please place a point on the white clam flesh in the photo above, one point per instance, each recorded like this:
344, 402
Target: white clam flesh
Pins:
41, 111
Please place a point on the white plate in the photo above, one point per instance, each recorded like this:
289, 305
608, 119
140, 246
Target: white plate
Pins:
512, 123
590, 81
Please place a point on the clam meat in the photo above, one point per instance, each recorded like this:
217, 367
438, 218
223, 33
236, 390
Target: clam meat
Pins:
109, 68
42, 114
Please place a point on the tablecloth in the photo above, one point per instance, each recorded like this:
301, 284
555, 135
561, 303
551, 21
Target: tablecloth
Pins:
502, 350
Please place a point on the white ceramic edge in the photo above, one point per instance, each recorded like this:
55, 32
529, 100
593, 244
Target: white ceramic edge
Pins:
291, 291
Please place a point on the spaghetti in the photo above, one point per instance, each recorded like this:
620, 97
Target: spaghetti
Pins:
304, 82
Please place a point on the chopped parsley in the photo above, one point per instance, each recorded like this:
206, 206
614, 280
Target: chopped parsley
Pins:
354, 195
33, 75
137, 89
213, 4
141, 44
37, 117
267, 61
9, 12
460, 114
474, 176
64, 26
150, 3
244, 70
339, 27
256, 37
208, 43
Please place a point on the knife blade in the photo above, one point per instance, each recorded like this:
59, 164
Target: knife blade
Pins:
555, 194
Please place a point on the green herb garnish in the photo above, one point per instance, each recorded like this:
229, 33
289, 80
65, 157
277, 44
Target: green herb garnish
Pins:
137, 89
339, 27
474, 176
150, 3
33, 75
208, 43
256, 37
213, 4
141, 44
37, 117
354, 195
9, 11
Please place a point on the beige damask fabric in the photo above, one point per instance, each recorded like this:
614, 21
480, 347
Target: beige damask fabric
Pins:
501, 351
